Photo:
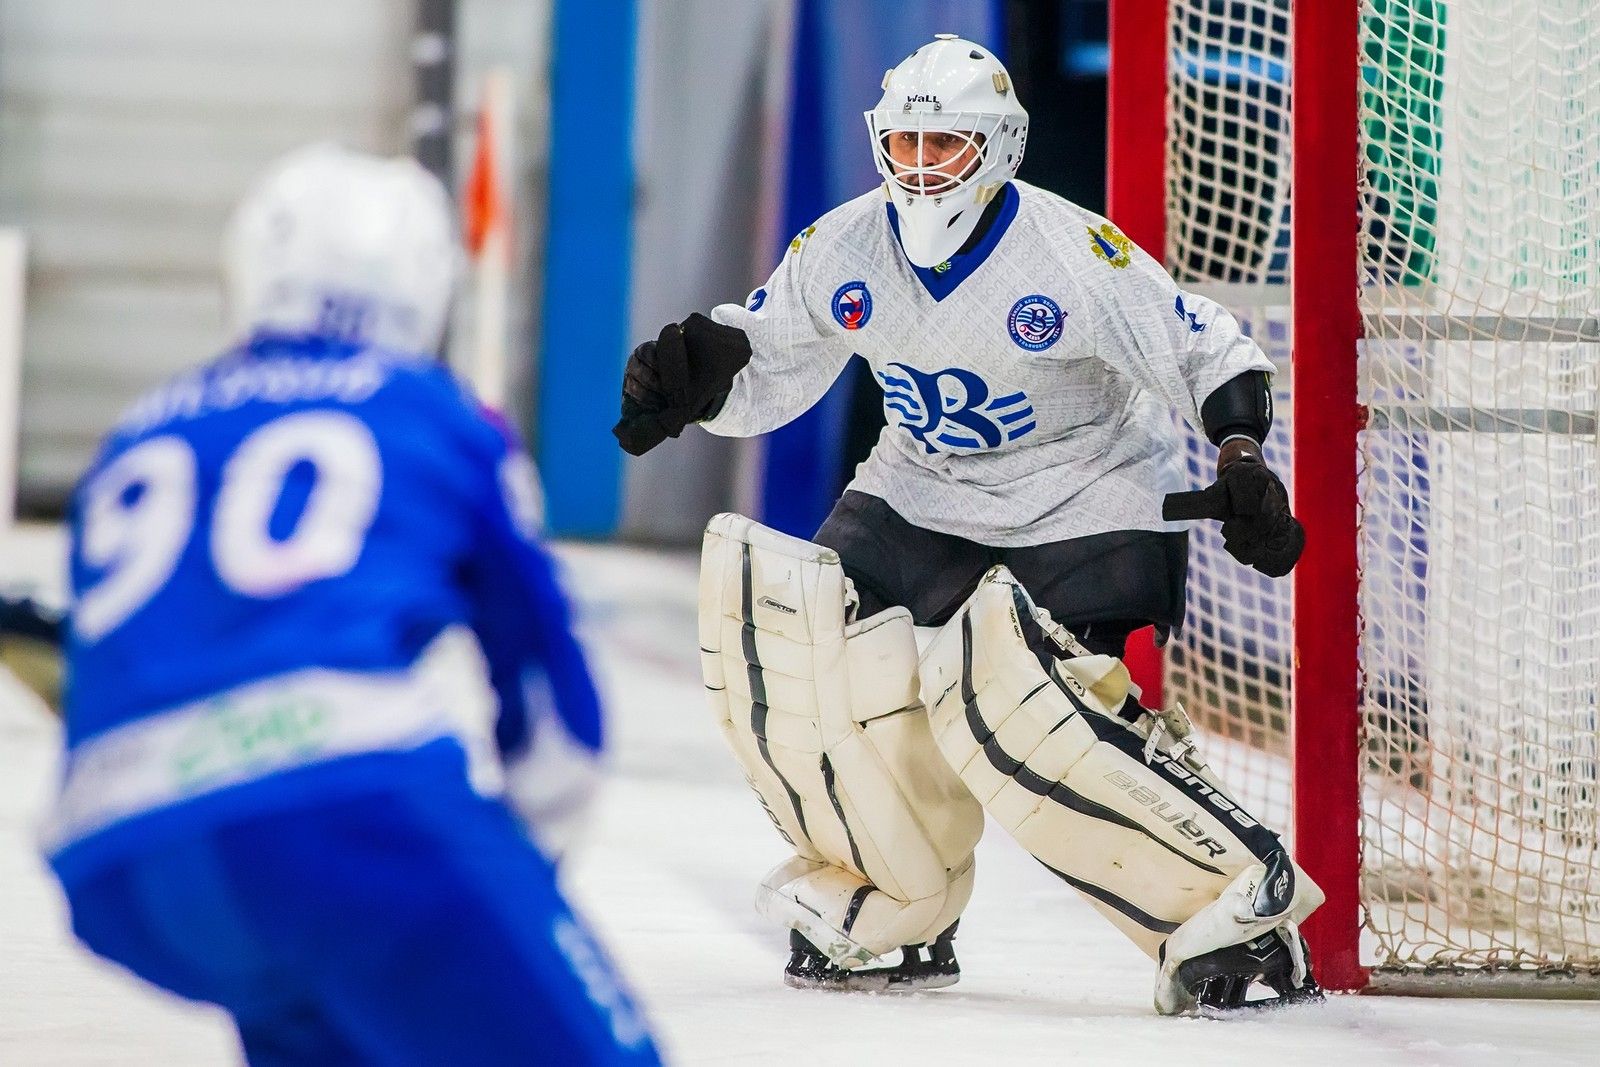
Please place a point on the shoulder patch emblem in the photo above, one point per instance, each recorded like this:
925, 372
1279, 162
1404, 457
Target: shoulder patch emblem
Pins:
800, 238
1111, 245
754, 301
1035, 322
852, 305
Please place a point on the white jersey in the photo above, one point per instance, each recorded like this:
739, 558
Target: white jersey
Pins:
1028, 384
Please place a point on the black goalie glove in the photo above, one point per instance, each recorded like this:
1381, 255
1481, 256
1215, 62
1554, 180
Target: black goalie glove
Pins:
681, 377
1257, 526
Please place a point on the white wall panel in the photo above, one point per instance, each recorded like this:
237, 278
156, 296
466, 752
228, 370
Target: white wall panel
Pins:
127, 132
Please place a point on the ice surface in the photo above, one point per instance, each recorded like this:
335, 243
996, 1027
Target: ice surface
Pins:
667, 877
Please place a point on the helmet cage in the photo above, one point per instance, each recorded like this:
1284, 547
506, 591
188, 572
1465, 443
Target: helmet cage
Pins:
981, 131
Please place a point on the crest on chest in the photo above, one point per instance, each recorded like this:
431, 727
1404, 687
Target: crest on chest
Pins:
953, 409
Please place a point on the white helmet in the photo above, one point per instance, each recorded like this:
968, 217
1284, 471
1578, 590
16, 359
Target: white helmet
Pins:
949, 86
337, 243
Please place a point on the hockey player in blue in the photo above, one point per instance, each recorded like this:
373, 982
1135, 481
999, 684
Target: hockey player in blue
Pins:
323, 695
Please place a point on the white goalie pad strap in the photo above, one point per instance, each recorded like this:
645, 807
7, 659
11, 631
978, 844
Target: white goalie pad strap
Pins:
1148, 837
826, 721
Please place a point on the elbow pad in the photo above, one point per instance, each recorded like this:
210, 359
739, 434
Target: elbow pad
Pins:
1240, 405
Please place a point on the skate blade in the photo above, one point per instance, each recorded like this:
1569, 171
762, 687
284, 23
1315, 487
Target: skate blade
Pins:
1252, 1008
872, 983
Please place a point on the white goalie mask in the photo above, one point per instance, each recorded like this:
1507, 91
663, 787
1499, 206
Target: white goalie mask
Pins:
946, 136
339, 244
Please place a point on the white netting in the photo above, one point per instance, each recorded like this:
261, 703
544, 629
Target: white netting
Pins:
1480, 488
1228, 222
1480, 483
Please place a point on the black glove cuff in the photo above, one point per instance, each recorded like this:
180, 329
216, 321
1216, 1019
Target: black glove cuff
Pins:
714, 407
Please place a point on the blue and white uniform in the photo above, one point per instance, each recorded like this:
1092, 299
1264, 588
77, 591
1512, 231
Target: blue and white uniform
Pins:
317, 657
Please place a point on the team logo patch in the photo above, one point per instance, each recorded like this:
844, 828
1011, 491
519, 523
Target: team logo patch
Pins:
852, 305
1035, 322
1111, 245
754, 301
952, 410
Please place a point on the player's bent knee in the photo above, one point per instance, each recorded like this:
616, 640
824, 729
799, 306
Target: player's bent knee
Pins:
1116, 804
825, 718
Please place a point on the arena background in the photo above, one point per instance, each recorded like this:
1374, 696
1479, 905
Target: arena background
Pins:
661, 153
653, 160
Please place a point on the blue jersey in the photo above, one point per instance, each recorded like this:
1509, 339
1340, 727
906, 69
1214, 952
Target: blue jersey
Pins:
301, 505
309, 605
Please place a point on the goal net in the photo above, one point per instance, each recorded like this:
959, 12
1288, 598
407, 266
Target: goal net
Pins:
1478, 499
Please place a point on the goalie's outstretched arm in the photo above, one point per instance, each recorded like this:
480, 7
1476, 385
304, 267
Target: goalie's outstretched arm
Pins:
742, 371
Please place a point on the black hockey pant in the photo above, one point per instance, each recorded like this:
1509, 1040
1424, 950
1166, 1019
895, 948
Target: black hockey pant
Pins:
1101, 587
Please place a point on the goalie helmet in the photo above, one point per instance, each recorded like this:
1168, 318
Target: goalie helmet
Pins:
960, 134
340, 244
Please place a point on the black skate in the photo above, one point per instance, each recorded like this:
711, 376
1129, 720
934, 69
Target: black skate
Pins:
1222, 980
921, 966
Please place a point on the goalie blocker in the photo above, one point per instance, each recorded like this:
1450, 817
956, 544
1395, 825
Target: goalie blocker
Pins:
824, 716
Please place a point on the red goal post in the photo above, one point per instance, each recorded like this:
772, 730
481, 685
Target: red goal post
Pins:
1324, 679
1426, 697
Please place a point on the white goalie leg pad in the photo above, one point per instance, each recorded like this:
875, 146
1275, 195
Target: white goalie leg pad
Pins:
1126, 815
826, 720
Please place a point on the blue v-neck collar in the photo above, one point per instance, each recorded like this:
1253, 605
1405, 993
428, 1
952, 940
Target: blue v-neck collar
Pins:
941, 284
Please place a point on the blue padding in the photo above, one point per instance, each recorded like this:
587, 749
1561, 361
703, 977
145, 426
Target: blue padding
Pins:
587, 255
